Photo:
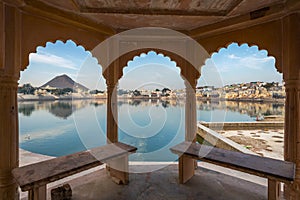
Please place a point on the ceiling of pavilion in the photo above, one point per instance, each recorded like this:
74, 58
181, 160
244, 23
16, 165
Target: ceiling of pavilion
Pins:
174, 14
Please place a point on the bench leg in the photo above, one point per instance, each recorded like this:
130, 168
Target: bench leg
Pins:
186, 169
118, 170
273, 189
37, 193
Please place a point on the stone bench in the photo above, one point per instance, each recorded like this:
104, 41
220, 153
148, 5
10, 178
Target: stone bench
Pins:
275, 171
34, 178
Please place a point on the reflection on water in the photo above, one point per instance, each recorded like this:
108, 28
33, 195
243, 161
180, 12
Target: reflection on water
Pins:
251, 109
61, 109
64, 109
26, 109
153, 126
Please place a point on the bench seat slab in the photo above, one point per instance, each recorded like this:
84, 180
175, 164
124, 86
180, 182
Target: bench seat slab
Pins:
274, 169
39, 174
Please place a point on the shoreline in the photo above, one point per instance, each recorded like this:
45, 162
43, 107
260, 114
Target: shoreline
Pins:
28, 157
252, 100
50, 98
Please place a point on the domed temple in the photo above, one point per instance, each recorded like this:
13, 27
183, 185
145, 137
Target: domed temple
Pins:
188, 32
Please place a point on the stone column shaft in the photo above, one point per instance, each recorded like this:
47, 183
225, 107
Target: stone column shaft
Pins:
292, 133
9, 138
112, 114
291, 76
190, 113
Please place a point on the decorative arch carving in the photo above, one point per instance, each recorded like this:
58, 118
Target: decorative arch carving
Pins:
242, 43
277, 66
50, 31
187, 71
267, 36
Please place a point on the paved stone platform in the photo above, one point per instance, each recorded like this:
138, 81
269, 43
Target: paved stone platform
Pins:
157, 181
163, 185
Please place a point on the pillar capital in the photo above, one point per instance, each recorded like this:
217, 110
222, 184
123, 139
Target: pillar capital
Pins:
190, 85
111, 86
8, 82
292, 83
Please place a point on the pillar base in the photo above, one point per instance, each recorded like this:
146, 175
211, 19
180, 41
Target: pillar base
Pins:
9, 192
118, 170
292, 191
186, 169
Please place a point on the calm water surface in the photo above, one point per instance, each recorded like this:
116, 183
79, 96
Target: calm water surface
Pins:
59, 128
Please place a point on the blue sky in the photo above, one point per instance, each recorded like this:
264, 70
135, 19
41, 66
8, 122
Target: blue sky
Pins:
234, 64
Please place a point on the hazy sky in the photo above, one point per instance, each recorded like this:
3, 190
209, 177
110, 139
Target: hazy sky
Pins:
234, 64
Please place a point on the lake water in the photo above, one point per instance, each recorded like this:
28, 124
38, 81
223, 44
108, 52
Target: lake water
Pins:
59, 128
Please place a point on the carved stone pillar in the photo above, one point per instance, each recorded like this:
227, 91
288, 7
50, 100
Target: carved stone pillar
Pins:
9, 137
117, 168
292, 133
187, 165
9, 75
111, 74
291, 76
112, 113
190, 112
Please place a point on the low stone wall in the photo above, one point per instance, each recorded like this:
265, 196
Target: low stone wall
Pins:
244, 125
211, 137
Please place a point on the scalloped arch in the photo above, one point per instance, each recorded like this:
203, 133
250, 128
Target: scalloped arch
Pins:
250, 44
187, 71
54, 41
240, 44
157, 53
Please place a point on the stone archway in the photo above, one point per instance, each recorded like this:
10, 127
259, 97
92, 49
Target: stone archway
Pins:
281, 39
21, 37
189, 74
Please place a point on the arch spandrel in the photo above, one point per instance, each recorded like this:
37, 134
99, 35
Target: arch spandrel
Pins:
51, 31
119, 49
267, 36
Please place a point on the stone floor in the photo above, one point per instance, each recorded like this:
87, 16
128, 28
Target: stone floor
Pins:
163, 184
155, 181
267, 142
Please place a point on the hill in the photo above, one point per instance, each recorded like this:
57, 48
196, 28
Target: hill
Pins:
64, 81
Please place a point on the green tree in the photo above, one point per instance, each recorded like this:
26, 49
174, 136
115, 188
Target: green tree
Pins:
26, 89
136, 93
96, 92
164, 91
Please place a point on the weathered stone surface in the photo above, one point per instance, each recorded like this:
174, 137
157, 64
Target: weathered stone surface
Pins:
63, 192
42, 173
174, 14
162, 184
260, 166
